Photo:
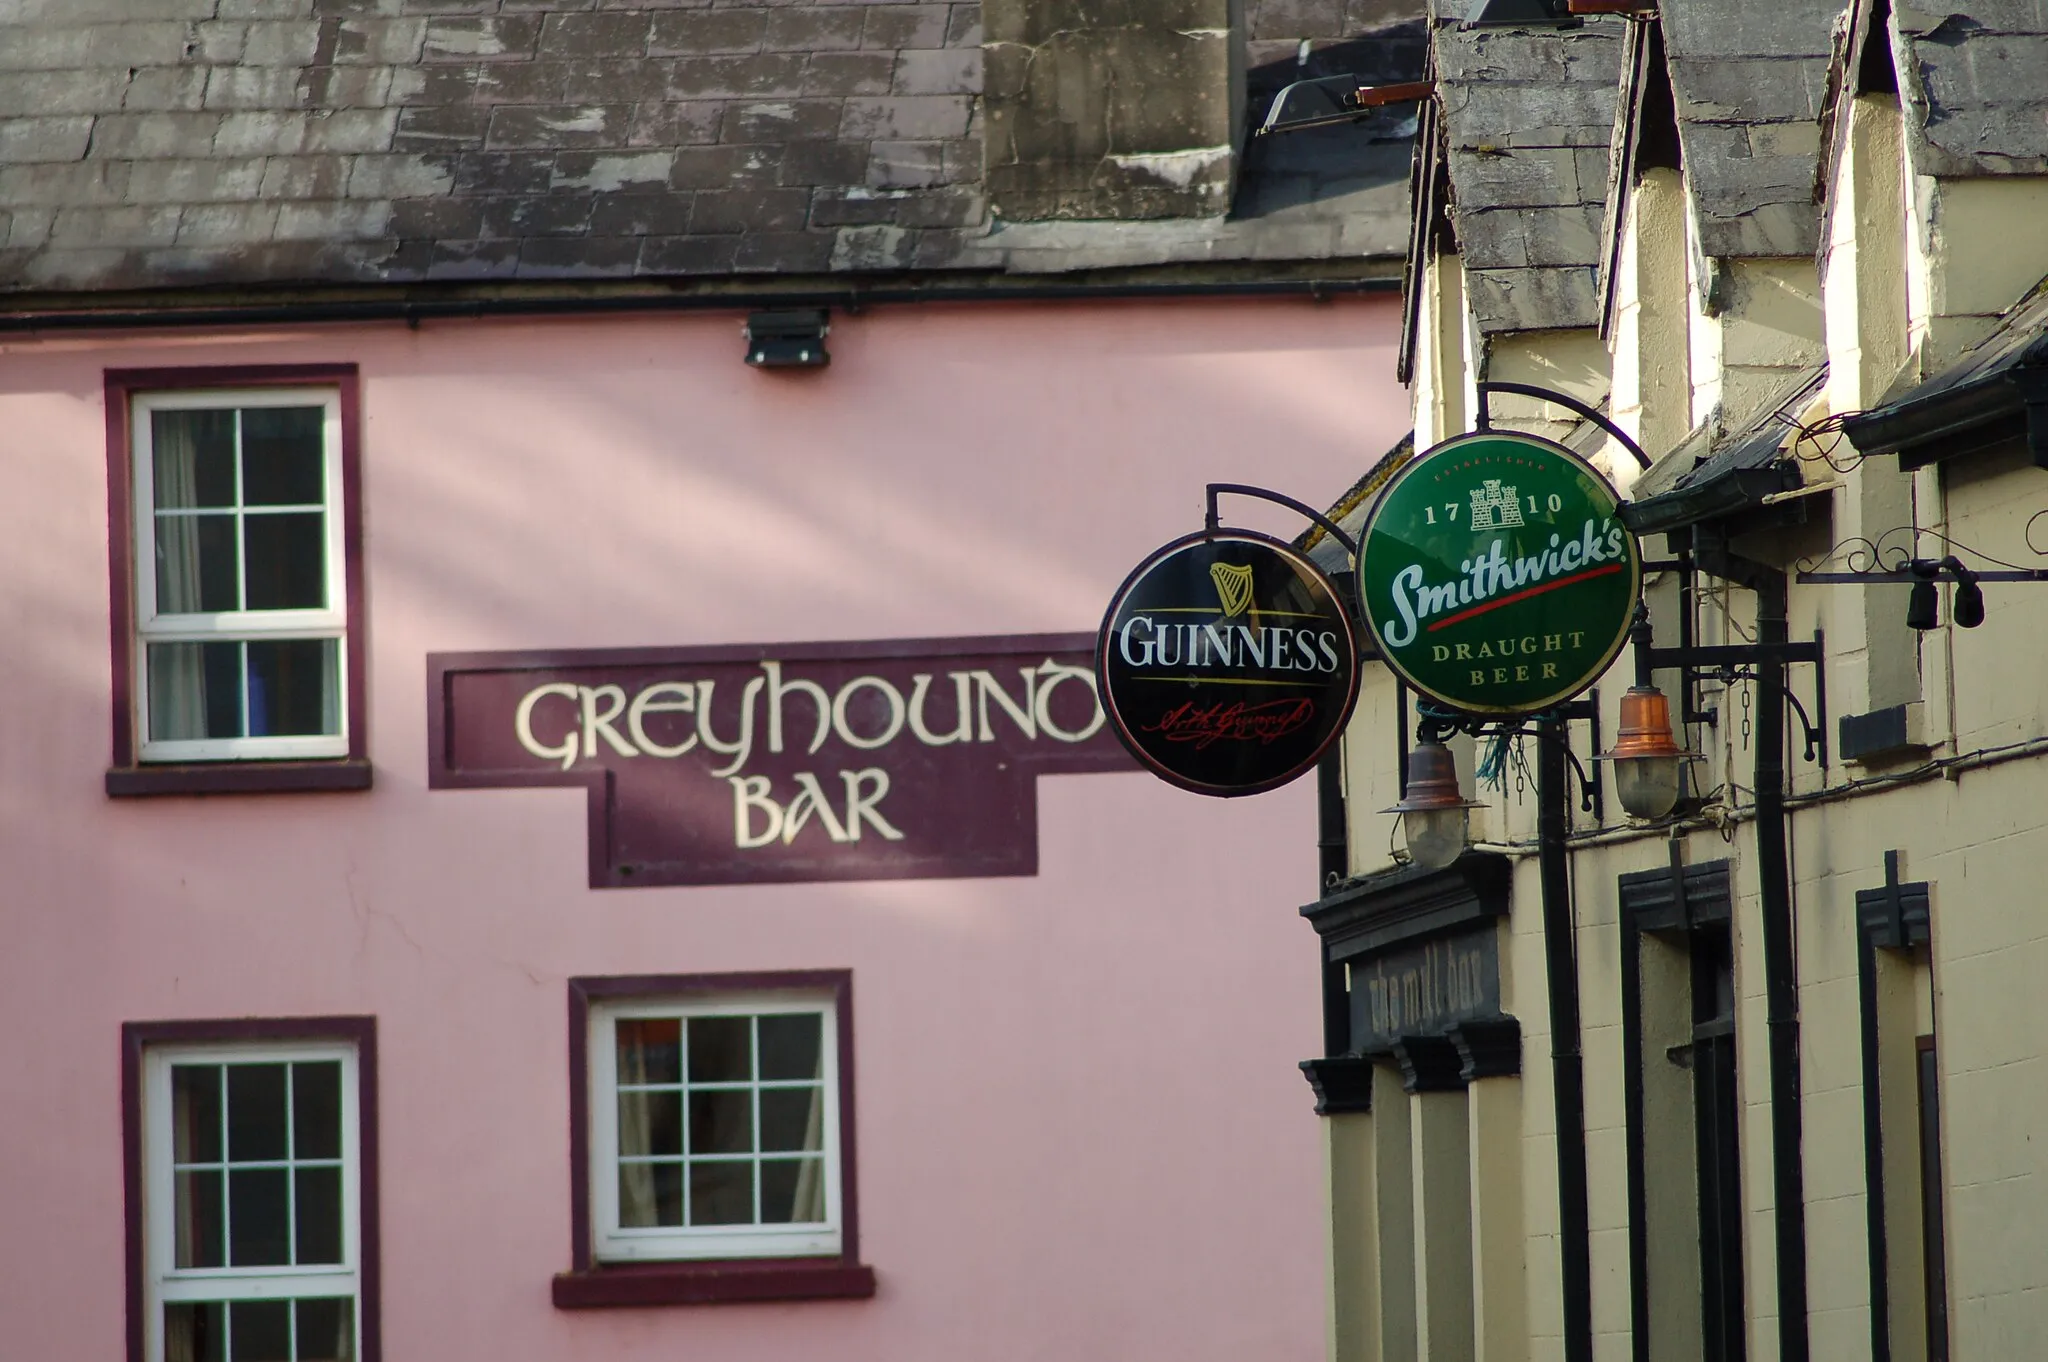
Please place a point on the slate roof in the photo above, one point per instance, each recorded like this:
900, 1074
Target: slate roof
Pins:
1749, 78
1527, 116
1975, 80
201, 143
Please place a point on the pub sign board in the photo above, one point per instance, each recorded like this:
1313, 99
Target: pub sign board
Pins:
1496, 576
1227, 662
900, 759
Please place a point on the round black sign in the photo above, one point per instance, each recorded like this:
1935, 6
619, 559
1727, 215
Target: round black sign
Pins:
1227, 663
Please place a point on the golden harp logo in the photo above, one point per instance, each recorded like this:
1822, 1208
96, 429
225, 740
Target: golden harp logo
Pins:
1233, 587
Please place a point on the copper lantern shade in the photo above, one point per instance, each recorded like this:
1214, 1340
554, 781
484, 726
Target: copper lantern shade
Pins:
1434, 811
1646, 756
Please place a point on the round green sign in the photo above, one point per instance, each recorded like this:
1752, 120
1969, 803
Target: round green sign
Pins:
1496, 575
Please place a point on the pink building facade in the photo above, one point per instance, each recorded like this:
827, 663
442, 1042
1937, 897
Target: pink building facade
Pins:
338, 1009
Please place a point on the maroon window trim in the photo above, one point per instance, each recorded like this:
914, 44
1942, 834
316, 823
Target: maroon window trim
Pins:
358, 1031
130, 776
704, 1281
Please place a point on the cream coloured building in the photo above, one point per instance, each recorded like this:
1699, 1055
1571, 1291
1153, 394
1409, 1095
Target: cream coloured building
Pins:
1762, 1079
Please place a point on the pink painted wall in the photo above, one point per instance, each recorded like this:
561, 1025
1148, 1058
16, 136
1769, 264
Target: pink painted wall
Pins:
1082, 1134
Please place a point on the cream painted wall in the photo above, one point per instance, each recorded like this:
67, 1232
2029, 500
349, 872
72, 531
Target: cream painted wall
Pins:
1977, 248
1650, 329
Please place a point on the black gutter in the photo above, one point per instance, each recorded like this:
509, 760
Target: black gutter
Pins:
1965, 418
1567, 1063
851, 298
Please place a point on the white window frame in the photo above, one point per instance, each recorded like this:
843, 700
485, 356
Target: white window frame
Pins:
237, 625
165, 1283
615, 1244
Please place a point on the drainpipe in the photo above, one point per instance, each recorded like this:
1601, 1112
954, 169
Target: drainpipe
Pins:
1781, 976
1781, 970
1567, 1068
1333, 865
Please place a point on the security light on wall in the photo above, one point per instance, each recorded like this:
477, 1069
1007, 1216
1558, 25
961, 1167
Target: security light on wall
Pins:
791, 339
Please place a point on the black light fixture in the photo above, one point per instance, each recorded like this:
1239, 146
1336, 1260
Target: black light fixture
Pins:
1923, 607
1522, 14
1968, 602
1434, 812
791, 338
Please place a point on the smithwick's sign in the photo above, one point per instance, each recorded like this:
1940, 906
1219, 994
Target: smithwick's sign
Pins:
1496, 575
1227, 663
886, 760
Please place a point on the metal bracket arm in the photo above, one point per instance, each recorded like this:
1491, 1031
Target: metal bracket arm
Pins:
1571, 404
1335, 531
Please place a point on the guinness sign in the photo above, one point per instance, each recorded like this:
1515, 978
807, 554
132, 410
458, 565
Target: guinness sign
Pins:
1496, 575
1227, 663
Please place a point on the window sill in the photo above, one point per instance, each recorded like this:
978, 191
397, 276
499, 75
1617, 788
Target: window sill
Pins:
708, 1283
250, 777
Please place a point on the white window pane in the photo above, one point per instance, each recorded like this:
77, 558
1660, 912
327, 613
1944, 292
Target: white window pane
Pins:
193, 458
650, 1195
197, 1234
792, 1191
294, 686
721, 1121
722, 1193
195, 563
259, 1217
281, 456
327, 1329
792, 1047
721, 1049
792, 1119
650, 1123
260, 1331
650, 1050
195, 1113
195, 1331
284, 557
316, 1215
195, 691
256, 1113
316, 1110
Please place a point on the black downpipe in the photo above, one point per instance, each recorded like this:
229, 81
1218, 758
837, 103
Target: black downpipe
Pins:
1781, 975
1567, 1066
1333, 863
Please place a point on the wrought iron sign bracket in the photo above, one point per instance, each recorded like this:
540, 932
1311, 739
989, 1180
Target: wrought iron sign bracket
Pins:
1727, 661
1435, 723
1484, 419
1213, 522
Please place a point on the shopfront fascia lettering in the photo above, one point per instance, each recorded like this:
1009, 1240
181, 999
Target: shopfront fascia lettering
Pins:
828, 761
1424, 990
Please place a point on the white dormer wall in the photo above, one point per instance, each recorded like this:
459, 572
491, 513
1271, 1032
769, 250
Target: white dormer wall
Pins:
1864, 266
1441, 391
1650, 332
1975, 247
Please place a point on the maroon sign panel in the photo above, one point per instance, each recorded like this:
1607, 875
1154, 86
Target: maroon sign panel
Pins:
903, 759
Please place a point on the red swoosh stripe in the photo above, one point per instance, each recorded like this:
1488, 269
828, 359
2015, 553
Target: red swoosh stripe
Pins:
1523, 595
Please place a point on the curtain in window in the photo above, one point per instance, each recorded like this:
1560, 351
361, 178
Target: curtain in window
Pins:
636, 1134
177, 676
808, 1205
